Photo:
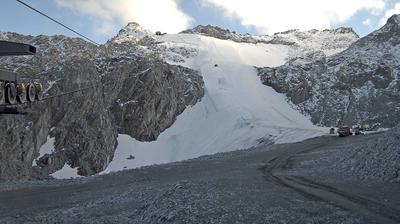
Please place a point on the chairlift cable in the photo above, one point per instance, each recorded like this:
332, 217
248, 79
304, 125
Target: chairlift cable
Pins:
87, 88
59, 23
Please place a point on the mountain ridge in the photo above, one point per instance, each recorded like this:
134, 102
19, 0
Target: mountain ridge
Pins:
132, 93
357, 85
155, 78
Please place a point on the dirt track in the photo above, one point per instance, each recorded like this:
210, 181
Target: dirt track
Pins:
363, 205
250, 186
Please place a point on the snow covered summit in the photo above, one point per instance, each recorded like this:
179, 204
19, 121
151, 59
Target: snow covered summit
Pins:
132, 32
237, 111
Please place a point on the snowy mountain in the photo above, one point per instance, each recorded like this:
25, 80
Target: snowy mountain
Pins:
125, 91
163, 98
133, 32
220, 33
237, 111
359, 85
301, 42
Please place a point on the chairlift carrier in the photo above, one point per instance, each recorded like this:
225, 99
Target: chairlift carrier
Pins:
12, 91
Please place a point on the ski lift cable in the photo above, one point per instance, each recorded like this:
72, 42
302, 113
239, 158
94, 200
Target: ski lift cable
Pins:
77, 90
59, 23
87, 88
63, 94
68, 93
93, 86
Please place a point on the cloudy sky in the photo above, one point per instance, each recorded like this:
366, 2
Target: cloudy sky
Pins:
102, 19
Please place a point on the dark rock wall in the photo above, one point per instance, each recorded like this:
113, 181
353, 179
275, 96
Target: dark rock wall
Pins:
358, 85
127, 92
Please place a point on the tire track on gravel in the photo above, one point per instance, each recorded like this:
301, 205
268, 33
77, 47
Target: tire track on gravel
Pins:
367, 207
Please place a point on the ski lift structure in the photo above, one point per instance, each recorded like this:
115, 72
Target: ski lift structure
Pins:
16, 97
13, 92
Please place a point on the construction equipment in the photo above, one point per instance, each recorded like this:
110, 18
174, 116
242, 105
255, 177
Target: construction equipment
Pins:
357, 130
344, 130
158, 33
12, 90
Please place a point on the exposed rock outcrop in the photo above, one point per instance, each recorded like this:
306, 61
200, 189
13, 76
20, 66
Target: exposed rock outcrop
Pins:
299, 44
358, 85
223, 34
126, 91
133, 32
329, 41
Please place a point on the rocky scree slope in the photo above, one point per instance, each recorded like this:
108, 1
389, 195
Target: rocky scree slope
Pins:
377, 161
133, 93
371, 159
359, 85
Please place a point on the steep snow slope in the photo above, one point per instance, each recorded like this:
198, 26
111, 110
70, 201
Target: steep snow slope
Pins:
236, 112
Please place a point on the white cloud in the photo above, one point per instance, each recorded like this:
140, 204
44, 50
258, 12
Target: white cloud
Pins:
367, 22
163, 15
389, 13
272, 16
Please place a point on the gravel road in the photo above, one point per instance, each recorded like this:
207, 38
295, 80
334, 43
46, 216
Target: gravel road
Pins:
236, 187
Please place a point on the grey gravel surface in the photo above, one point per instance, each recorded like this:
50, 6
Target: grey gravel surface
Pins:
372, 158
224, 188
366, 165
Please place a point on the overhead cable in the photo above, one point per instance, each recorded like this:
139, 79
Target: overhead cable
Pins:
59, 23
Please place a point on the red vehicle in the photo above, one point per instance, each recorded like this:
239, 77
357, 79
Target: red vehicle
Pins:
344, 130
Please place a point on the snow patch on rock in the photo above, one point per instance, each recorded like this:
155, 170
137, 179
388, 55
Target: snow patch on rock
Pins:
66, 172
46, 148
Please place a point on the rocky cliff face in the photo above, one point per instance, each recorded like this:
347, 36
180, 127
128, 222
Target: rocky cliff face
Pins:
223, 34
127, 91
328, 41
358, 85
133, 32
300, 44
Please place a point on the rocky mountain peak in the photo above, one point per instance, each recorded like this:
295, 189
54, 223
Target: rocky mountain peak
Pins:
288, 32
220, 33
338, 31
389, 35
132, 32
339, 38
208, 29
392, 26
394, 20
358, 85
345, 30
